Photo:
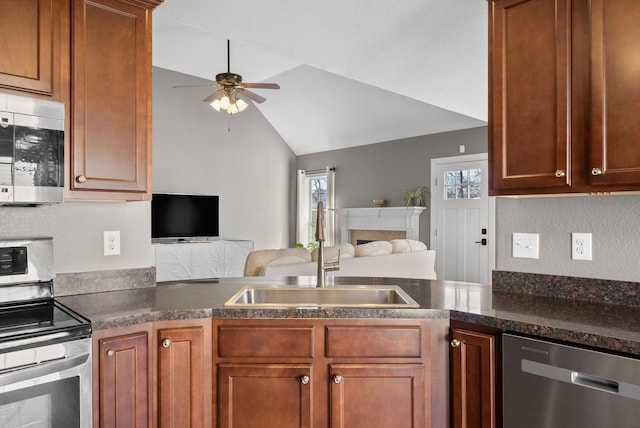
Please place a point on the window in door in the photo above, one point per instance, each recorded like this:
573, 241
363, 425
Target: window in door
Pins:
462, 184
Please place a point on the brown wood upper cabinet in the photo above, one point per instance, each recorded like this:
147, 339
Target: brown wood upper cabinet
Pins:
30, 47
111, 99
563, 89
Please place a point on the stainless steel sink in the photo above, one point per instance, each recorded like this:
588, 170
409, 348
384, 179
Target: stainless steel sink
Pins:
344, 296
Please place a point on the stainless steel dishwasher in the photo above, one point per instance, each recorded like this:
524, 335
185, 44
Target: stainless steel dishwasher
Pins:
549, 385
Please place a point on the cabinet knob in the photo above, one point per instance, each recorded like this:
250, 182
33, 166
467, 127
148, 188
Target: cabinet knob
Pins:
560, 173
596, 171
166, 343
81, 179
304, 380
455, 343
110, 353
337, 379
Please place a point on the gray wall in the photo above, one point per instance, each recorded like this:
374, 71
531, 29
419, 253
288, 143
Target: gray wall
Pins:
612, 220
241, 158
386, 170
76, 228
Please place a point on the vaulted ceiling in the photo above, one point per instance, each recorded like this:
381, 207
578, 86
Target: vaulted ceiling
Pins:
351, 72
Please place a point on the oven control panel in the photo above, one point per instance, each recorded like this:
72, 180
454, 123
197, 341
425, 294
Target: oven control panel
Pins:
13, 261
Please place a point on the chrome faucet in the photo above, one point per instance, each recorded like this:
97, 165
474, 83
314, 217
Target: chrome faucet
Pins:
322, 266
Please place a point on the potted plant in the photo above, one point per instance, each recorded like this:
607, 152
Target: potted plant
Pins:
414, 197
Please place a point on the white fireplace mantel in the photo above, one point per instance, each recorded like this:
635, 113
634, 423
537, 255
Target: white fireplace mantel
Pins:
384, 218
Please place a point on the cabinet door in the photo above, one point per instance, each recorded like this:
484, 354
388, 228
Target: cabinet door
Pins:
235, 257
377, 395
615, 91
530, 95
111, 87
30, 41
472, 379
173, 262
264, 395
124, 381
207, 260
183, 390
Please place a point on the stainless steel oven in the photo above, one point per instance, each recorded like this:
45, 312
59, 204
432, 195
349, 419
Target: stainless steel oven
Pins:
31, 151
45, 348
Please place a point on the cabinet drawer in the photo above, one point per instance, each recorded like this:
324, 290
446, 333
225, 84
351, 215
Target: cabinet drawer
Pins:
260, 341
377, 341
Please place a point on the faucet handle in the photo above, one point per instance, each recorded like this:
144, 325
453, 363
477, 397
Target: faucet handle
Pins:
333, 265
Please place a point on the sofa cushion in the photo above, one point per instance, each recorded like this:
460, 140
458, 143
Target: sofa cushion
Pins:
331, 253
406, 246
375, 248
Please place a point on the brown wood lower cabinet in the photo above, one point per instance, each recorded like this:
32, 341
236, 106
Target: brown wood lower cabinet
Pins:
317, 373
264, 395
377, 395
475, 377
122, 394
183, 350
138, 385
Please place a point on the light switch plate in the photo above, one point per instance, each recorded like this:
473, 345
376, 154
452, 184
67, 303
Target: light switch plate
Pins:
525, 245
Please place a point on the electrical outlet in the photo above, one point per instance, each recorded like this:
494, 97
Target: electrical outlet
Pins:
111, 242
581, 246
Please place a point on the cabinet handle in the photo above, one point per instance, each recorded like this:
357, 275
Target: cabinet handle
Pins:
560, 173
110, 353
337, 379
596, 171
81, 179
166, 343
304, 380
455, 343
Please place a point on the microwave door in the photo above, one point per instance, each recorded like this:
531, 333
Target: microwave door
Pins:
6, 137
39, 162
6, 157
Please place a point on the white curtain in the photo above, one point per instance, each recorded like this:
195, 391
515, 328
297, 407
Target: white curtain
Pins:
303, 226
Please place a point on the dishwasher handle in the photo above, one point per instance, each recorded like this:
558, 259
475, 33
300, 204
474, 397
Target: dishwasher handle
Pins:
599, 383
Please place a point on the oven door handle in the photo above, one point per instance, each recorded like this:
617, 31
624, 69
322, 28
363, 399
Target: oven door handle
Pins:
20, 374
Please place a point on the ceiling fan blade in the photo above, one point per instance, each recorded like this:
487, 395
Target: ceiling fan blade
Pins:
251, 95
213, 96
261, 85
196, 86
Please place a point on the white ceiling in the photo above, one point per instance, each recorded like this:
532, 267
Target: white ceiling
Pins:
351, 72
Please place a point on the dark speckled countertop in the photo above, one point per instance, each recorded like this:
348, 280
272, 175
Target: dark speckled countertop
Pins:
609, 326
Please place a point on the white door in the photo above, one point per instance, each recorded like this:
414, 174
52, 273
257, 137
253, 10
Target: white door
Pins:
462, 219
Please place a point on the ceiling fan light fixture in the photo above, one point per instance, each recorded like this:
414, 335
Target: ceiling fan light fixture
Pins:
215, 104
225, 102
241, 104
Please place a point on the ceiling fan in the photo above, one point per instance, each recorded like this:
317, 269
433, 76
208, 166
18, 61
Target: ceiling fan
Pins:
232, 94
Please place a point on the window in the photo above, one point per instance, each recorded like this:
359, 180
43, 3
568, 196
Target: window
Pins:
462, 184
313, 187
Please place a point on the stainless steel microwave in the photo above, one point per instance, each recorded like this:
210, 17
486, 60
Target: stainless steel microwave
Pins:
31, 151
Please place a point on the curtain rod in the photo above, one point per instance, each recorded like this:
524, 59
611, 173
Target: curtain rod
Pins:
316, 171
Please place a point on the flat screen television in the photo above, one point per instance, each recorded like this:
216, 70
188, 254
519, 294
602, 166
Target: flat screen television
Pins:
184, 217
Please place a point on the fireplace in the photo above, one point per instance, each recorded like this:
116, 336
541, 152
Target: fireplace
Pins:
378, 224
359, 236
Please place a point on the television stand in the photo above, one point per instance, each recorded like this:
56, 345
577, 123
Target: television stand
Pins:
184, 259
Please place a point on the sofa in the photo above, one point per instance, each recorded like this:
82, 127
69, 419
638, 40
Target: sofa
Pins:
399, 258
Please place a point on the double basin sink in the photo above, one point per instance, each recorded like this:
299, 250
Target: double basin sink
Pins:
343, 296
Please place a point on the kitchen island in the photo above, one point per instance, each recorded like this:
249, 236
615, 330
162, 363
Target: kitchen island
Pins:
185, 324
